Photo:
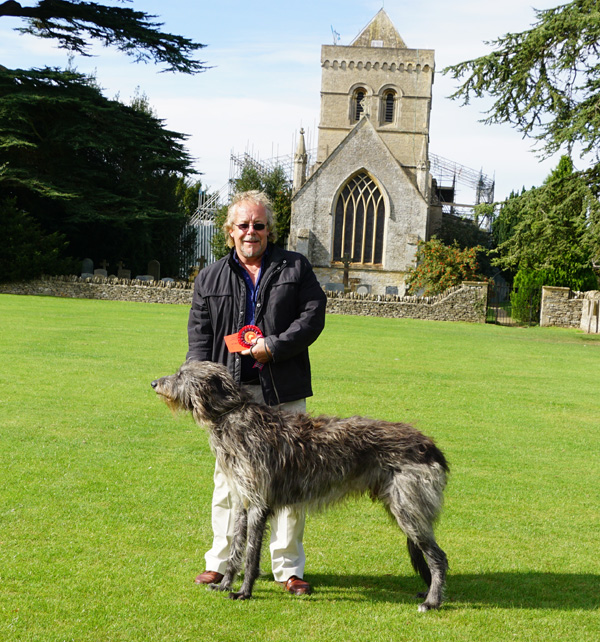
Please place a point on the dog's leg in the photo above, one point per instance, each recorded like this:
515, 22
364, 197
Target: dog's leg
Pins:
236, 553
419, 564
415, 511
257, 521
438, 565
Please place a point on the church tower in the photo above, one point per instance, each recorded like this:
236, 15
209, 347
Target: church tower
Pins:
378, 77
367, 199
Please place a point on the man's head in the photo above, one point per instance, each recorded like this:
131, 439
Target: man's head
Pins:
248, 209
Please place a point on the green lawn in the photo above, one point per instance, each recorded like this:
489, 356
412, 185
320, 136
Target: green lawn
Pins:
104, 502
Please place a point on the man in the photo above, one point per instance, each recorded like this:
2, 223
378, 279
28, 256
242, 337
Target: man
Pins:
258, 284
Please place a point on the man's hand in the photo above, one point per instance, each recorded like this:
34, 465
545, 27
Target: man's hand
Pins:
258, 351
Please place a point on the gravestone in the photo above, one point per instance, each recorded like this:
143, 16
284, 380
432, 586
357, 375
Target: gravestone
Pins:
303, 242
334, 287
122, 273
154, 269
363, 288
87, 267
100, 272
391, 289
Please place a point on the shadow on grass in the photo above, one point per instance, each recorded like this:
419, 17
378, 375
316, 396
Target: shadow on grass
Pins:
534, 590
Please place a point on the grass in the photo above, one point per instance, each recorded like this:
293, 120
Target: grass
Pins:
104, 509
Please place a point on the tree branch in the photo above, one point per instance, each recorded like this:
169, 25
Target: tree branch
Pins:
132, 32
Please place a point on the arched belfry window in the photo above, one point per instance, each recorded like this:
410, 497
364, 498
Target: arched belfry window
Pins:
358, 103
389, 99
359, 221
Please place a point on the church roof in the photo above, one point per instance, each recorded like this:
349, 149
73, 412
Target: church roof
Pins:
380, 32
349, 155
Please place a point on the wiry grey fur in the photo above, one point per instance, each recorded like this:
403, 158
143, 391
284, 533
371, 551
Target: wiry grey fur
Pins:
274, 458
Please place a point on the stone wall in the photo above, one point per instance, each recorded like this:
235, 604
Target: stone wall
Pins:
467, 302
561, 307
99, 287
564, 308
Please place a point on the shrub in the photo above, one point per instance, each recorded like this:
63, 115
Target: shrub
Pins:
441, 266
526, 297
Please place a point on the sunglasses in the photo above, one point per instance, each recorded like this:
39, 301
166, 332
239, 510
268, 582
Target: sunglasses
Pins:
246, 226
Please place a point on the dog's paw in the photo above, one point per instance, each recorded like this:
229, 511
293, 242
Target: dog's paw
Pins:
218, 587
423, 608
239, 596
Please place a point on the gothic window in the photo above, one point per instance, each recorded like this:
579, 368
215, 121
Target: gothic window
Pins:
359, 221
359, 103
389, 99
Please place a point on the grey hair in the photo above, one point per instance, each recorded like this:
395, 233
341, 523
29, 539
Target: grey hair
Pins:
255, 197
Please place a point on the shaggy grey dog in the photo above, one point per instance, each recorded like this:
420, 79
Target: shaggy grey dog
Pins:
275, 458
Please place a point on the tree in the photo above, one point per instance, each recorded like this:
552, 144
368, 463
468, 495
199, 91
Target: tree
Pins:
545, 237
219, 242
113, 195
545, 80
102, 174
464, 231
132, 32
441, 266
26, 252
503, 225
553, 226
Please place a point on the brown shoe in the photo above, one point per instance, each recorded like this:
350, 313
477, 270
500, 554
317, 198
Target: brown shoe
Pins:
296, 586
209, 577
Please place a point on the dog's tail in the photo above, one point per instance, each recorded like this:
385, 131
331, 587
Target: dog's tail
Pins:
418, 561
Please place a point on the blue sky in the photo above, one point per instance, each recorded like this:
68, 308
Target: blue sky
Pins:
264, 80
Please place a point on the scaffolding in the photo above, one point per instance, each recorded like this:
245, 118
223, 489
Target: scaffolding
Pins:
209, 204
237, 164
453, 181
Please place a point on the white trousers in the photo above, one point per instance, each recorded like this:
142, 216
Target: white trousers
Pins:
287, 525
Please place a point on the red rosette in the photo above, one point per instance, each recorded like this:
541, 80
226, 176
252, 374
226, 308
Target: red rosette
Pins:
248, 335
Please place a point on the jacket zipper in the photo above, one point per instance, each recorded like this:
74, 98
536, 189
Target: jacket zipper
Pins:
263, 288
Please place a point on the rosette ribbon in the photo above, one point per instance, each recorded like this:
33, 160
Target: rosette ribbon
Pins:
243, 340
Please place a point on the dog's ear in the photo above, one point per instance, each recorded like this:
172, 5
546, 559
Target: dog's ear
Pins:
212, 390
223, 389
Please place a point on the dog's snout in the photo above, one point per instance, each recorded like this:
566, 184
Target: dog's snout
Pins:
154, 383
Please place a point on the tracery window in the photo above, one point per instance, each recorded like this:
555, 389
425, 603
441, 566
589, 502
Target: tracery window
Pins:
359, 221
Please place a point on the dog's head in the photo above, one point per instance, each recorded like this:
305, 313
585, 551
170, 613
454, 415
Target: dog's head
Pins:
202, 387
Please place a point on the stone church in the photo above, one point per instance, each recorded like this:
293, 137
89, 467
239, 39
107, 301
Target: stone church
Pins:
369, 197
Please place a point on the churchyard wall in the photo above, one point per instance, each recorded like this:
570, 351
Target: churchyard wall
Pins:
466, 302
561, 307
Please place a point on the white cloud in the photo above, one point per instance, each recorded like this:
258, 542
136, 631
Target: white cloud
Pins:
219, 126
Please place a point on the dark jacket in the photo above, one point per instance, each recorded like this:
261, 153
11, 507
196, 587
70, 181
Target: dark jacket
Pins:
290, 311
